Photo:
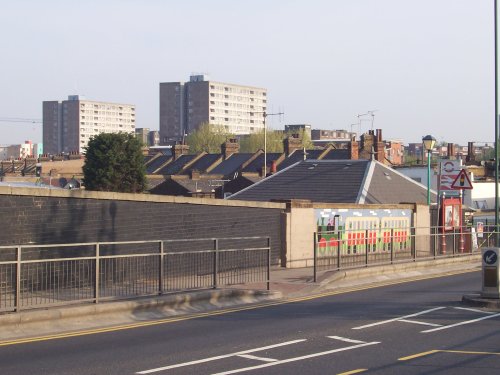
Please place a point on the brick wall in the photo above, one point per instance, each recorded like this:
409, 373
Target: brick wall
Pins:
43, 216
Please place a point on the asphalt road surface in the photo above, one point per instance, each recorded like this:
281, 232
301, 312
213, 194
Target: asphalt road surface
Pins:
417, 327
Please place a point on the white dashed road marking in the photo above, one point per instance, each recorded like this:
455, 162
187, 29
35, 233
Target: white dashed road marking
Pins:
295, 359
399, 318
422, 323
249, 356
220, 357
461, 323
269, 361
473, 310
352, 341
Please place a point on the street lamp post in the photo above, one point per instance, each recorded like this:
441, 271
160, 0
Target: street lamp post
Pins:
429, 141
264, 115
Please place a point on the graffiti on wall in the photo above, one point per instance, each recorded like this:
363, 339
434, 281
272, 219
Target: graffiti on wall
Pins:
358, 230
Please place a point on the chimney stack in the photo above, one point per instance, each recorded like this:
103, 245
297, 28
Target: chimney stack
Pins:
471, 153
379, 147
292, 143
451, 151
273, 167
231, 146
180, 149
353, 149
195, 174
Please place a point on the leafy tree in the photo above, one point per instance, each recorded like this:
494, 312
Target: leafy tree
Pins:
255, 141
207, 138
114, 162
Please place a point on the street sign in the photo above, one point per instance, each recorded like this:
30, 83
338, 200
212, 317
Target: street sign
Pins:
448, 172
462, 181
490, 257
491, 272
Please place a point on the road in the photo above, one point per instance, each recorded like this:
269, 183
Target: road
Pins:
416, 327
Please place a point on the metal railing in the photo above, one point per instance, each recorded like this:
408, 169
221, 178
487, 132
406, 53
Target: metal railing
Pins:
33, 276
336, 250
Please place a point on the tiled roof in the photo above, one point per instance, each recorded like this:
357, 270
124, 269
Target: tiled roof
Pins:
341, 154
231, 164
294, 157
175, 166
316, 180
337, 181
257, 164
389, 186
203, 163
156, 163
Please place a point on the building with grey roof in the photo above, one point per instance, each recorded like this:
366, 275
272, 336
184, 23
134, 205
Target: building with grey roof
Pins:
337, 181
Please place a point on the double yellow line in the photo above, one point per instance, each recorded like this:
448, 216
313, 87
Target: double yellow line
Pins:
224, 311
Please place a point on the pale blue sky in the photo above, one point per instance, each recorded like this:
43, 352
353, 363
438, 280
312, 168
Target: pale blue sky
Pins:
425, 65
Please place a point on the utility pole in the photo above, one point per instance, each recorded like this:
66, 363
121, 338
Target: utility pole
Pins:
265, 115
496, 126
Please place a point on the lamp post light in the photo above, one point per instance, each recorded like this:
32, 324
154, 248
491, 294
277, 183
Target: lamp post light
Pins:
429, 142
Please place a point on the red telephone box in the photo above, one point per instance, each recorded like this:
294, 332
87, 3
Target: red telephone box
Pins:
451, 214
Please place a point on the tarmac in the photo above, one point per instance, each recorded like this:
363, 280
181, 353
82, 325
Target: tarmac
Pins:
286, 285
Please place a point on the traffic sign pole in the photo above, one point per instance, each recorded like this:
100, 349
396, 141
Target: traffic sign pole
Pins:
491, 272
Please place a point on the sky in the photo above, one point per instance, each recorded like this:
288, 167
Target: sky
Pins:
423, 67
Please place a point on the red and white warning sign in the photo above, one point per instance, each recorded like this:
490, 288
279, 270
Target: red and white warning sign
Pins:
462, 181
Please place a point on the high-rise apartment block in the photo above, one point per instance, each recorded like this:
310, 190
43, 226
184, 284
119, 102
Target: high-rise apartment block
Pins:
185, 106
143, 135
69, 125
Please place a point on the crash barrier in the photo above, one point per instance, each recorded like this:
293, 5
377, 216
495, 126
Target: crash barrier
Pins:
33, 276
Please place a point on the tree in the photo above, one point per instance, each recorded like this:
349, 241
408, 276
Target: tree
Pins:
207, 138
255, 141
114, 162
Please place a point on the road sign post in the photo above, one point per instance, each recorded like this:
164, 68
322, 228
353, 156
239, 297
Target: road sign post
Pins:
461, 183
491, 272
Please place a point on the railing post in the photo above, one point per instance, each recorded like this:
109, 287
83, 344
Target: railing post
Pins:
315, 255
392, 245
366, 247
162, 269
268, 263
454, 241
443, 241
216, 262
338, 250
435, 240
97, 274
461, 241
413, 243
17, 302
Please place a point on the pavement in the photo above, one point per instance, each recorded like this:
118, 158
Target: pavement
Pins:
286, 284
